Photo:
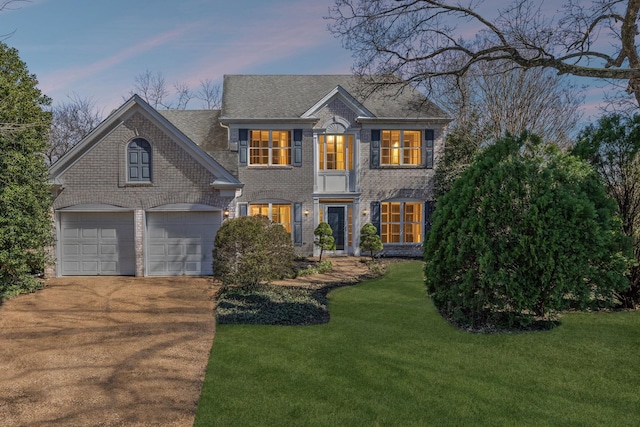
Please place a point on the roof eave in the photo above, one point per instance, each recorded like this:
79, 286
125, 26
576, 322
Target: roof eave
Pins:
405, 120
265, 120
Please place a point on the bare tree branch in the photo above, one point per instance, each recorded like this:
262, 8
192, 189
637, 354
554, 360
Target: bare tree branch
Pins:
71, 121
184, 94
210, 93
420, 40
152, 88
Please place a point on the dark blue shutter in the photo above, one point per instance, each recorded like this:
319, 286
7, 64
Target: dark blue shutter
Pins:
297, 147
297, 224
375, 215
243, 146
428, 210
375, 149
242, 209
429, 137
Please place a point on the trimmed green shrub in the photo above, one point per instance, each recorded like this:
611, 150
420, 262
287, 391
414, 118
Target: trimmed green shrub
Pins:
252, 250
526, 231
370, 240
324, 238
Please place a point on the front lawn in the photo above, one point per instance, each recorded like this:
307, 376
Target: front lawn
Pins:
387, 358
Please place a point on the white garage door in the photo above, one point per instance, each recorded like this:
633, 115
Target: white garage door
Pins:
181, 243
97, 243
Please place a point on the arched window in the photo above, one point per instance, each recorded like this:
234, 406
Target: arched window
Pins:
139, 161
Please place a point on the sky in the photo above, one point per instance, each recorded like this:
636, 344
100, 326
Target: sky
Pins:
95, 48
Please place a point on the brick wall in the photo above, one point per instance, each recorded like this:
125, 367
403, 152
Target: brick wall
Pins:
382, 184
286, 183
100, 175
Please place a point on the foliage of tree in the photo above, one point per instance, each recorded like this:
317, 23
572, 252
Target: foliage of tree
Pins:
25, 224
324, 238
252, 250
462, 143
613, 148
71, 121
526, 231
152, 87
370, 239
421, 40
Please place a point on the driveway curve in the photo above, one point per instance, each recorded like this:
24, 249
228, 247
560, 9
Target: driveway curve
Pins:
106, 351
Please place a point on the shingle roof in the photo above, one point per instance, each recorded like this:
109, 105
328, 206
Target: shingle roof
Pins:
203, 128
290, 96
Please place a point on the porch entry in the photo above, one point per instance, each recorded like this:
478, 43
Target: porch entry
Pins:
340, 217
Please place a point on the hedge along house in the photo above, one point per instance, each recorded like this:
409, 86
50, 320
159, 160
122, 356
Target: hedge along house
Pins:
146, 191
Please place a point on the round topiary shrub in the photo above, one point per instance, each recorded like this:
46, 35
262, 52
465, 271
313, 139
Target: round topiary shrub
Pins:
370, 239
252, 250
526, 231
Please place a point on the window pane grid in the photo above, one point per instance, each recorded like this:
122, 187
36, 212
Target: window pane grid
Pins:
335, 152
401, 147
260, 209
270, 147
401, 222
276, 212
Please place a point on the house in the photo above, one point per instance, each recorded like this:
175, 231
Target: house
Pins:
146, 191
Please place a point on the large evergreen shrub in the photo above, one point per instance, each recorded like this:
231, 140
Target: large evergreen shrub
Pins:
25, 199
252, 250
524, 232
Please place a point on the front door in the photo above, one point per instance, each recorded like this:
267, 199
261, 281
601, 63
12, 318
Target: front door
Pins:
336, 219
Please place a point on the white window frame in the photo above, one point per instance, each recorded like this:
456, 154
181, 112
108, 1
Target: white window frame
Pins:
270, 147
270, 215
402, 222
402, 148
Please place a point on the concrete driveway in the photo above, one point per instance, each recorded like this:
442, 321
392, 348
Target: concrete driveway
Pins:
107, 351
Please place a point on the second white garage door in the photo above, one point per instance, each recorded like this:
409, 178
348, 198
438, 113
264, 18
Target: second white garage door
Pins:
181, 243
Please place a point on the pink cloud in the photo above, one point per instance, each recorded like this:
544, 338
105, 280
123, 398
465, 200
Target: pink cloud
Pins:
67, 77
292, 29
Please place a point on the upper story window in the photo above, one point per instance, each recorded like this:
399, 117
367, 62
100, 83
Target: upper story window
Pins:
335, 152
270, 147
276, 212
401, 222
139, 161
401, 147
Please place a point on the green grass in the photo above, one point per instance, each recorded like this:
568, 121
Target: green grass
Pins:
387, 358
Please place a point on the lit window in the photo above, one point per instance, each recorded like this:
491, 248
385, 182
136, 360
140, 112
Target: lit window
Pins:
276, 212
401, 147
401, 222
139, 161
270, 147
335, 152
